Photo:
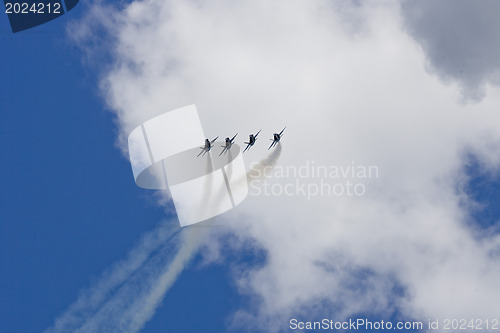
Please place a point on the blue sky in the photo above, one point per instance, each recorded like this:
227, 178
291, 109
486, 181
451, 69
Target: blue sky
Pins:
70, 209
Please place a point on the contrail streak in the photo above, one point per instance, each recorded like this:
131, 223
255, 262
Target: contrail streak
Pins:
219, 196
145, 306
258, 170
207, 186
127, 296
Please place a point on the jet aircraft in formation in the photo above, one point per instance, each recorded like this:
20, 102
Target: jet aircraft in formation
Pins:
276, 138
207, 147
227, 146
229, 142
251, 140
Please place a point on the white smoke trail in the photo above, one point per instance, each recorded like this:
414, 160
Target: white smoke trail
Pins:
258, 171
145, 306
126, 297
207, 186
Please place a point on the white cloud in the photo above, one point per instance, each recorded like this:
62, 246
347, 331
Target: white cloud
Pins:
461, 40
350, 85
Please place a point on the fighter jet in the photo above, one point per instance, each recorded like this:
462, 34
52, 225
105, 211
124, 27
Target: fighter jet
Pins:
229, 143
207, 147
276, 138
252, 139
